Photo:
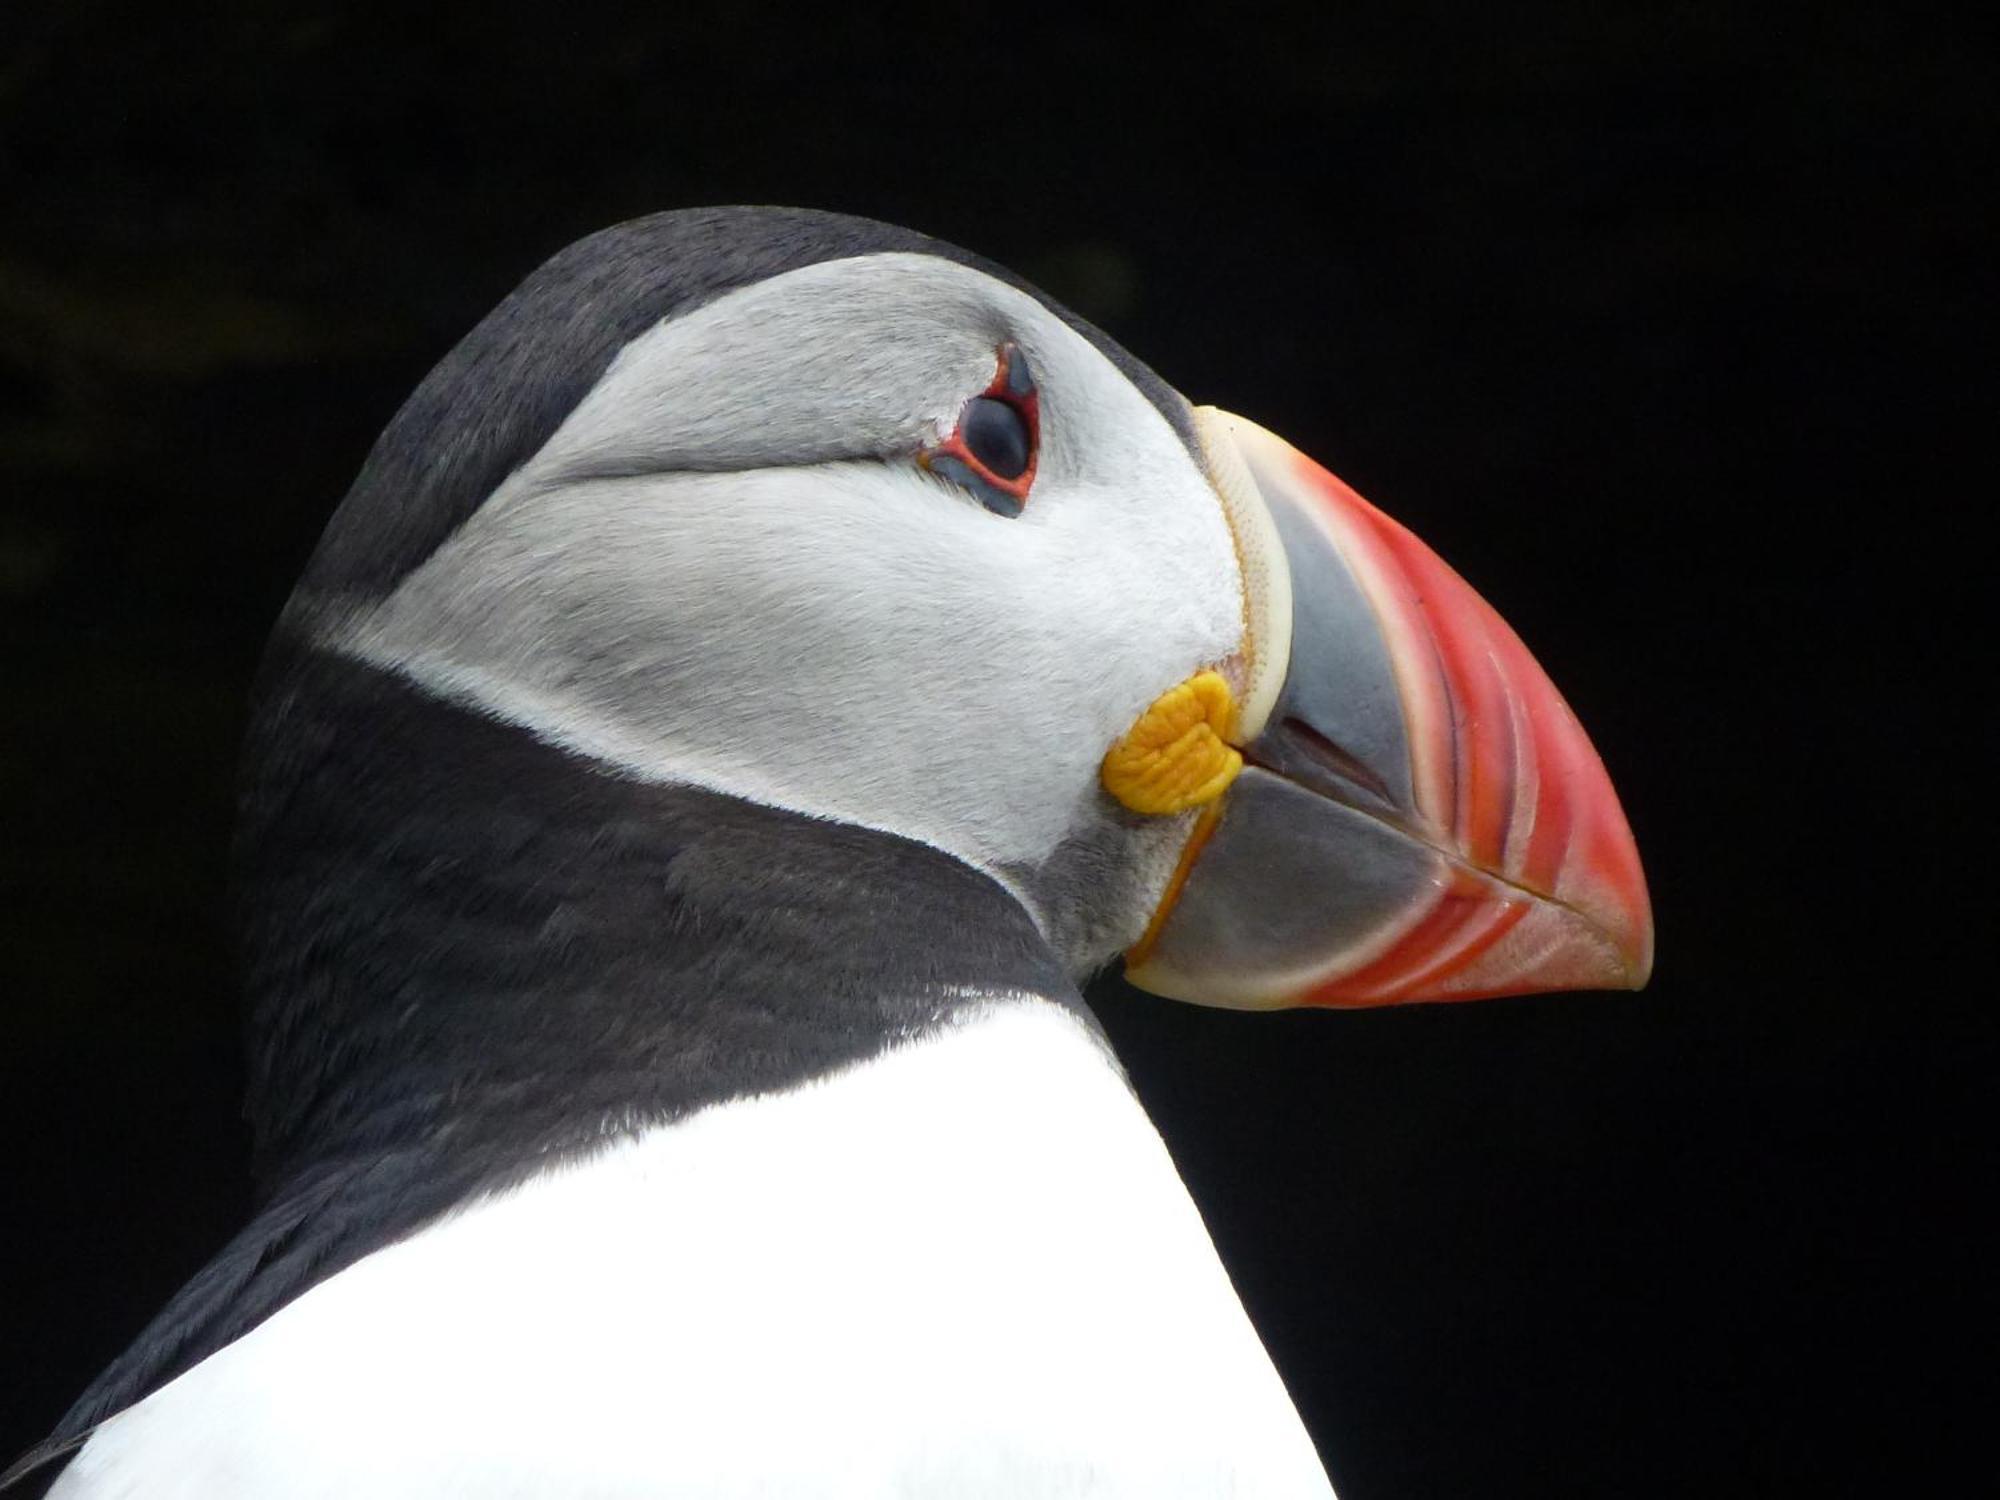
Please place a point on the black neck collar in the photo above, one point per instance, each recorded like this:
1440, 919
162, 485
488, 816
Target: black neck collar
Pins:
463, 941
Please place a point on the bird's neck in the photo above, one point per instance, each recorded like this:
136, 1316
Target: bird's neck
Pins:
464, 938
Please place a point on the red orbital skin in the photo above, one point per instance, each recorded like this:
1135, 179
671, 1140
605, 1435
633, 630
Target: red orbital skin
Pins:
1029, 406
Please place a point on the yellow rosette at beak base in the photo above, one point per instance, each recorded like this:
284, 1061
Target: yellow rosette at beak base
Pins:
1177, 756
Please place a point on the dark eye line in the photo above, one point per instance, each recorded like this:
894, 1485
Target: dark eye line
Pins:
993, 451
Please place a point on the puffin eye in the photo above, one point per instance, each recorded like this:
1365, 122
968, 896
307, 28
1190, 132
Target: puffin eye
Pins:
992, 452
997, 435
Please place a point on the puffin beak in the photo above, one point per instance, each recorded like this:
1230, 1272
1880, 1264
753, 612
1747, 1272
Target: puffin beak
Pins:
1419, 815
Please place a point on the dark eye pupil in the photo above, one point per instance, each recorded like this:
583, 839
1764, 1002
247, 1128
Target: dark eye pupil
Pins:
997, 435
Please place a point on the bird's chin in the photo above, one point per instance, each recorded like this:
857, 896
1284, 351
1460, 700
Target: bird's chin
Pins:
1420, 816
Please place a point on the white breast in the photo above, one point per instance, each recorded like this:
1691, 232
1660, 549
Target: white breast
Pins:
965, 1269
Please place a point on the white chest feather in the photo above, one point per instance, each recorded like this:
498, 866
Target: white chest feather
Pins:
967, 1269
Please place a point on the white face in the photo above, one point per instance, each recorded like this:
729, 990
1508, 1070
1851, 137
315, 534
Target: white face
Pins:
726, 568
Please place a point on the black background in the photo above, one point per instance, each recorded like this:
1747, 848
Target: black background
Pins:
1649, 320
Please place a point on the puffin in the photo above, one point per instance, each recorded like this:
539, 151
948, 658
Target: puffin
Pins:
757, 678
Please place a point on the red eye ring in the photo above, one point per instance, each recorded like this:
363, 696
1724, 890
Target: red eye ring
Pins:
994, 449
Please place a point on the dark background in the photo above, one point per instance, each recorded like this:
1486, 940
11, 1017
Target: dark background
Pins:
1647, 319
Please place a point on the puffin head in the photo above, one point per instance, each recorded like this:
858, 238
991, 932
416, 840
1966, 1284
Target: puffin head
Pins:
835, 519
